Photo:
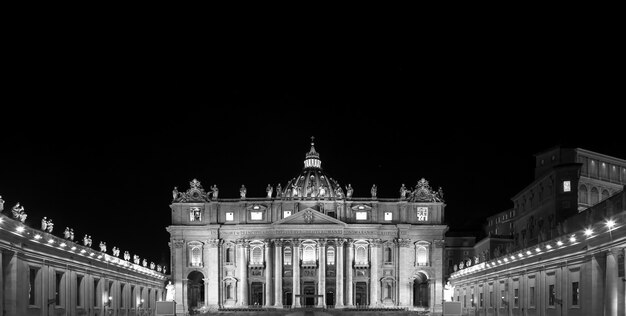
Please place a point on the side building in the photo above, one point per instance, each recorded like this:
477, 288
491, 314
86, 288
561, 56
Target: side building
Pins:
309, 244
42, 274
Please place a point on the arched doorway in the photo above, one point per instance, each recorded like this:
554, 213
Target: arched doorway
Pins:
195, 289
420, 290
360, 294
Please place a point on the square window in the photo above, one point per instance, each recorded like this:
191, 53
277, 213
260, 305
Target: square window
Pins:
567, 186
286, 214
230, 217
388, 216
361, 215
256, 216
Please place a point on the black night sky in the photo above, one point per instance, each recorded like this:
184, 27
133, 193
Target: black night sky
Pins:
98, 138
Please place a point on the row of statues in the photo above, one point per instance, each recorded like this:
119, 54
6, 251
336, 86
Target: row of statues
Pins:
296, 191
47, 226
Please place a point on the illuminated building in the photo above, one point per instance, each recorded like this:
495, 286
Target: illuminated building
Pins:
310, 244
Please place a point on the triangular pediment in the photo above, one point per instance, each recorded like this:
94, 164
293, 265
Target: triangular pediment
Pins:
309, 216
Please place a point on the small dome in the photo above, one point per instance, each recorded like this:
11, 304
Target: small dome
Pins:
312, 181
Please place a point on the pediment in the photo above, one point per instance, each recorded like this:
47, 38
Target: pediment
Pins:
309, 216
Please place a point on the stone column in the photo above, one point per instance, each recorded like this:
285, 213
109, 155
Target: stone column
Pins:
296, 273
611, 279
269, 289
212, 263
242, 272
405, 266
349, 266
178, 264
321, 283
278, 273
374, 287
339, 281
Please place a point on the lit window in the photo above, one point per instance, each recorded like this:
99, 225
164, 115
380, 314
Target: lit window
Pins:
422, 214
286, 214
195, 214
308, 254
361, 215
567, 186
230, 217
331, 256
257, 255
256, 216
422, 256
388, 216
287, 259
196, 257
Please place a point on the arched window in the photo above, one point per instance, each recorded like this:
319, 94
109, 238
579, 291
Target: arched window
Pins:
287, 256
196, 256
361, 255
308, 254
582, 195
388, 254
330, 256
605, 195
595, 196
229, 255
422, 255
257, 255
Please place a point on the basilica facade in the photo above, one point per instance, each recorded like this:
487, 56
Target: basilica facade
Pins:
308, 244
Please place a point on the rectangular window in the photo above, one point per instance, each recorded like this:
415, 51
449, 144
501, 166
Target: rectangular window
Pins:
551, 295
58, 277
361, 215
230, 217
575, 294
195, 214
516, 298
531, 296
501, 298
32, 286
567, 186
286, 214
388, 216
490, 298
472, 300
480, 295
256, 216
464, 300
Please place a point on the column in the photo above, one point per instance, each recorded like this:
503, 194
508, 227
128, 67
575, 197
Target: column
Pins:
296, 273
349, 263
269, 289
610, 305
278, 273
180, 280
242, 271
405, 265
339, 281
212, 263
321, 283
374, 287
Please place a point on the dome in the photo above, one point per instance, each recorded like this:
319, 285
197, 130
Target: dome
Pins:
312, 182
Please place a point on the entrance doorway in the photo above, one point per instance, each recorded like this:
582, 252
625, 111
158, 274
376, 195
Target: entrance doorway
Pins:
309, 294
330, 297
195, 289
287, 296
420, 291
256, 293
360, 294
